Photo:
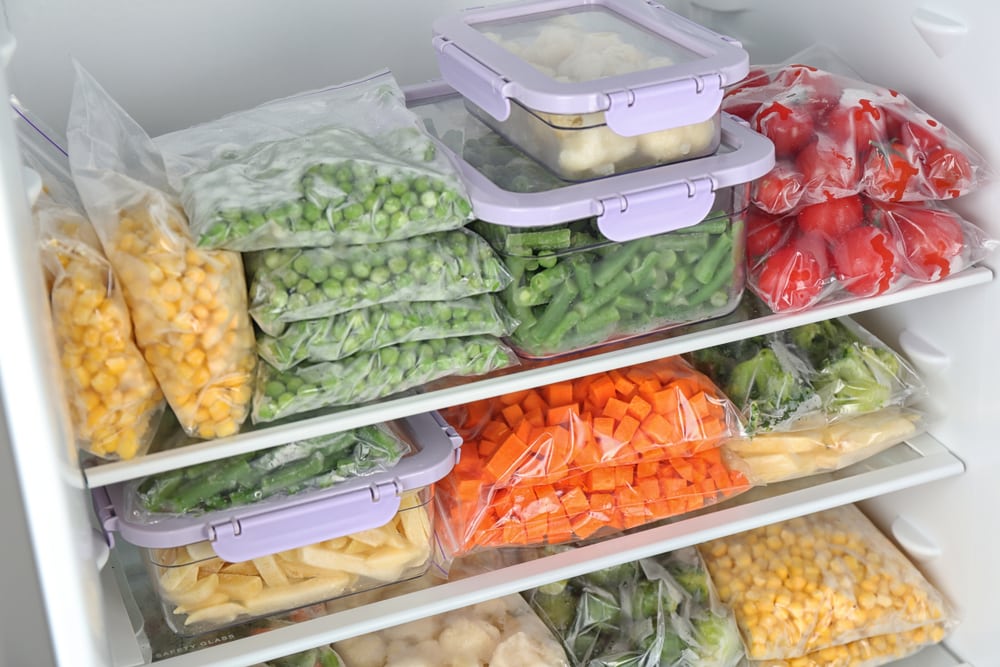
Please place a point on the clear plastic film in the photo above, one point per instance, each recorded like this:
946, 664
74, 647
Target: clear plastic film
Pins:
803, 586
835, 135
856, 246
375, 327
237, 481
321, 656
188, 306
809, 376
343, 165
115, 402
580, 458
654, 612
868, 652
288, 285
367, 376
201, 592
503, 632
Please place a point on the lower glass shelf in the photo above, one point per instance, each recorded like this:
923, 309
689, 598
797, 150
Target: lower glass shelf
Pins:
473, 580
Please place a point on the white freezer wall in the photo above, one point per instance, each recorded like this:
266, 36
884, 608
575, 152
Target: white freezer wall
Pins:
172, 63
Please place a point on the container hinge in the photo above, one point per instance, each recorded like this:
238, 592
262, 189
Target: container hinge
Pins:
474, 80
664, 107
668, 208
392, 487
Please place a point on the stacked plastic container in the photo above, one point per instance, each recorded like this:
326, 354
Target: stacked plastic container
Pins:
271, 531
599, 163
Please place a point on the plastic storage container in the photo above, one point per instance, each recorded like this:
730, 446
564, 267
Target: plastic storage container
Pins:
591, 89
227, 567
608, 259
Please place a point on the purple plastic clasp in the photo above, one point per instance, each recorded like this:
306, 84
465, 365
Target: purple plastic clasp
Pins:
240, 539
655, 211
484, 87
676, 104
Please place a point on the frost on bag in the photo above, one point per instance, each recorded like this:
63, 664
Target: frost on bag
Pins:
595, 455
654, 612
856, 246
115, 402
503, 632
237, 481
835, 136
292, 284
188, 305
373, 328
344, 165
803, 587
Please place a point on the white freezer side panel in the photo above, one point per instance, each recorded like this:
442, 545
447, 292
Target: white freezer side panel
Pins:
172, 63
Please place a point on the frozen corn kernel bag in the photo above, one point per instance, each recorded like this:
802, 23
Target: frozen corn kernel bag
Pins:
347, 164
802, 587
188, 305
115, 402
587, 457
655, 611
868, 652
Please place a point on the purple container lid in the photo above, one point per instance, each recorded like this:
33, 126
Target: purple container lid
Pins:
627, 206
661, 97
278, 524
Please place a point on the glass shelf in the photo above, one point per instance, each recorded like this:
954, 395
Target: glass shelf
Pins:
747, 321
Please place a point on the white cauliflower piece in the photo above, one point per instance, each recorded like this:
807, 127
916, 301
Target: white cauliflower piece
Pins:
679, 142
492, 611
430, 650
553, 44
593, 151
521, 650
582, 66
622, 58
364, 651
412, 660
396, 649
469, 636
414, 631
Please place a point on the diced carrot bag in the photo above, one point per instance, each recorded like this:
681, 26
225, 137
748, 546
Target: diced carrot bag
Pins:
608, 451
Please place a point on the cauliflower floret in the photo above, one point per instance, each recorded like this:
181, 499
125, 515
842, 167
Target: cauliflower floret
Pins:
493, 611
472, 637
582, 66
414, 631
364, 651
678, 142
593, 151
520, 650
553, 44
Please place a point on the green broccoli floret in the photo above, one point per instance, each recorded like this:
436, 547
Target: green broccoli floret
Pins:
717, 640
692, 579
768, 391
852, 376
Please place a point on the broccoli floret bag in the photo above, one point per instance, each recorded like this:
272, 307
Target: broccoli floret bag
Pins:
647, 613
188, 305
343, 165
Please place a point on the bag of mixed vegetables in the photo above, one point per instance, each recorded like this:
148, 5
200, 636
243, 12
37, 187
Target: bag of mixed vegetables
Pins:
655, 612
581, 458
114, 401
344, 165
814, 398
188, 305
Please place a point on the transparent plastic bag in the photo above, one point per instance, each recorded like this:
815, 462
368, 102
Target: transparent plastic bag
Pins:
856, 246
503, 632
819, 581
347, 164
604, 452
188, 306
370, 375
237, 481
321, 656
115, 402
809, 376
375, 327
653, 612
288, 285
779, 455
868, 652
835, 135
